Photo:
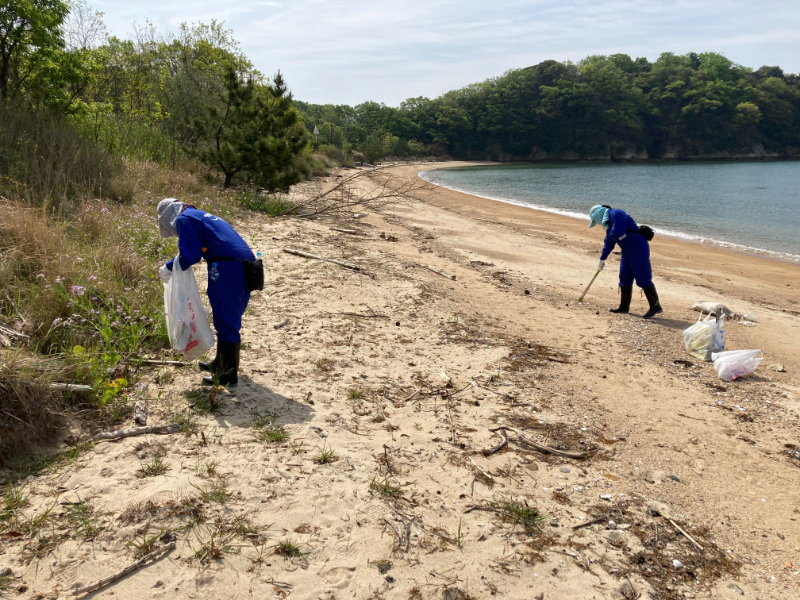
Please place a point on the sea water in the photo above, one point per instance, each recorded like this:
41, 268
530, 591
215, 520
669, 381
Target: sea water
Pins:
748, 206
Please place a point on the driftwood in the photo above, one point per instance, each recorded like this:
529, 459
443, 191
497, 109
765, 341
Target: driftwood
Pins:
170, 363
485, 474
499, 446
123, 433
350, 231
441, 272
593, 522
526, 441
120, 574
283, 323
341, 263
71, 387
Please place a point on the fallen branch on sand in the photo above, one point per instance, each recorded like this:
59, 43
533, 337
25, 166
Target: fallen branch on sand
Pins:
688, 537
120, 574
485, 474
523, 440
166, 363
341, 263
123, 433
350, 231
283, 323
441, 272
499, 446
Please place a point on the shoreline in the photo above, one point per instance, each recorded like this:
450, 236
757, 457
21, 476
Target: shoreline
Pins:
785, 257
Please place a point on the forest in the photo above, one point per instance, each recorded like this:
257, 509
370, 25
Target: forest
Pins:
74, 99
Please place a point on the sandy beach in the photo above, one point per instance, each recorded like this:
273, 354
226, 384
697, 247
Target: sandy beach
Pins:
662, 480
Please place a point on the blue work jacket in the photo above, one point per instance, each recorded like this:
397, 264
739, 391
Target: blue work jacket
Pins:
203, 235
624, 231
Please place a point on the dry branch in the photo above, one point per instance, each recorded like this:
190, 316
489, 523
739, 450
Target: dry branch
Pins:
281, 324
522, 439
341, 263
71, 387
481, 470
123, 433
499, 446
688, 537
166, 363
120, 574
364, 190
441, 272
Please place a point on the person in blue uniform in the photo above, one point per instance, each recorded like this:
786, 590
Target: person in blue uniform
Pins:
635, 264
203, 236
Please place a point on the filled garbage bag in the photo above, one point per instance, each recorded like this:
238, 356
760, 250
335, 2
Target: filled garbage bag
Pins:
737, 363
187, 322
705, 337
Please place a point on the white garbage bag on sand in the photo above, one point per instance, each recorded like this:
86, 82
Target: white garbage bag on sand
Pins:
737, 363
187, 323
705, 337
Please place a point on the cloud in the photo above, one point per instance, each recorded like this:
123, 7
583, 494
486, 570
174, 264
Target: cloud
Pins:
387, 50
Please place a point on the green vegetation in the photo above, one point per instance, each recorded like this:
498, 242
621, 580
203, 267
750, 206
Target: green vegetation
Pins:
289, 549
326, 455
517, 513
266, 430
602, 107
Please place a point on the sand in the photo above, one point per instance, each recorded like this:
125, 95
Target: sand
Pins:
401, 373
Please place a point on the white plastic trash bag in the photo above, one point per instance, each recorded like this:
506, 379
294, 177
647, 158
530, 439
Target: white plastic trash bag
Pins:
737, 363
187, 323
705, 337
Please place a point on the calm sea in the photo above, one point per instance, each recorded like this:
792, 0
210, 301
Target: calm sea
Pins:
749, 206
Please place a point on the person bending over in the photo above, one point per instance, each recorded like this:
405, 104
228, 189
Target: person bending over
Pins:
635, 264
203, 236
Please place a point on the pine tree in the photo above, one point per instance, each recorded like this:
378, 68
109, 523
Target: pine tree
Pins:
252, 132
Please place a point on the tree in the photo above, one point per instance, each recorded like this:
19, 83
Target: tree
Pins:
253, 130
30, 30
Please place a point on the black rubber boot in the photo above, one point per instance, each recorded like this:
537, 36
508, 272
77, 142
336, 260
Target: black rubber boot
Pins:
210, 366
655, 306
625, 295
228, 369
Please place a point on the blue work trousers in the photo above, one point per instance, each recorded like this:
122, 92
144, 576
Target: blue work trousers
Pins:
229, 296
635, 263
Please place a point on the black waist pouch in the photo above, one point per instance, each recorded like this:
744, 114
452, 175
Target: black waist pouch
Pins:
254, 274
647, 232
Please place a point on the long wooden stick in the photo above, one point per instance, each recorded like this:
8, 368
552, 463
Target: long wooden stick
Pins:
543, 449
120, 574
588, 286
441, 272
481, 470
123, 433
499, 446
341, 263
688, 537
171, 363
71, 387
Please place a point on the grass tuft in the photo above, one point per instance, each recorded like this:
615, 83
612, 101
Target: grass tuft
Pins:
518, 513
325, 456
266, 430
289, 549
355, 395
386, 488
155, 468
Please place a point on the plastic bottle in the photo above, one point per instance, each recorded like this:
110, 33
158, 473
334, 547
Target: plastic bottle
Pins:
214, 271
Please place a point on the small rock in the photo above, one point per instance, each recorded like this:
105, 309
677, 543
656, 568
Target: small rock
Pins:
674, 478
389, 579
454, 593
605, 497
285, 474
780, 535
736, 589
140, 412
612, 525
532, 466
656, 508
652, 476
158, 584
564, 469
677, 564
5, 572
553, 522
777, 368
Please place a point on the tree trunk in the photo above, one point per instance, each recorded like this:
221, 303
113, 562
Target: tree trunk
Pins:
227, 184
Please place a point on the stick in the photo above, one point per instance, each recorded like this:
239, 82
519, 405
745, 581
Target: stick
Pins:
350, 231
341, 263
71, 387
499, 447
281, 324
123, 433
481, 470
441, 272
172, 363
129, 569
8, 331
688, 537
594, 522
476, 386
539, 447
588, 286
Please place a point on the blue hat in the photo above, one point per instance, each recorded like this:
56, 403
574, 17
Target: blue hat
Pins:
598, 215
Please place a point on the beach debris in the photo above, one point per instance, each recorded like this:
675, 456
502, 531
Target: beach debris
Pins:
716, 309
283, 323
71, 387
441, 272
734, 364
677, 564
166, 363
129, 569
736, 589
5, 332
341, 263
500, 446
484, 473
525, 441
140, 412
124, 433
777, 368
688, 537
349, 231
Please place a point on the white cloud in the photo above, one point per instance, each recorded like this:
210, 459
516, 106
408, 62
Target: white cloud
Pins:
387, 50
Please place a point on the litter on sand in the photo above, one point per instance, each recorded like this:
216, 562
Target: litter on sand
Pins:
737, 363
705, 337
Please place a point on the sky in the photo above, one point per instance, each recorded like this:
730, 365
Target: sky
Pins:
348, 52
